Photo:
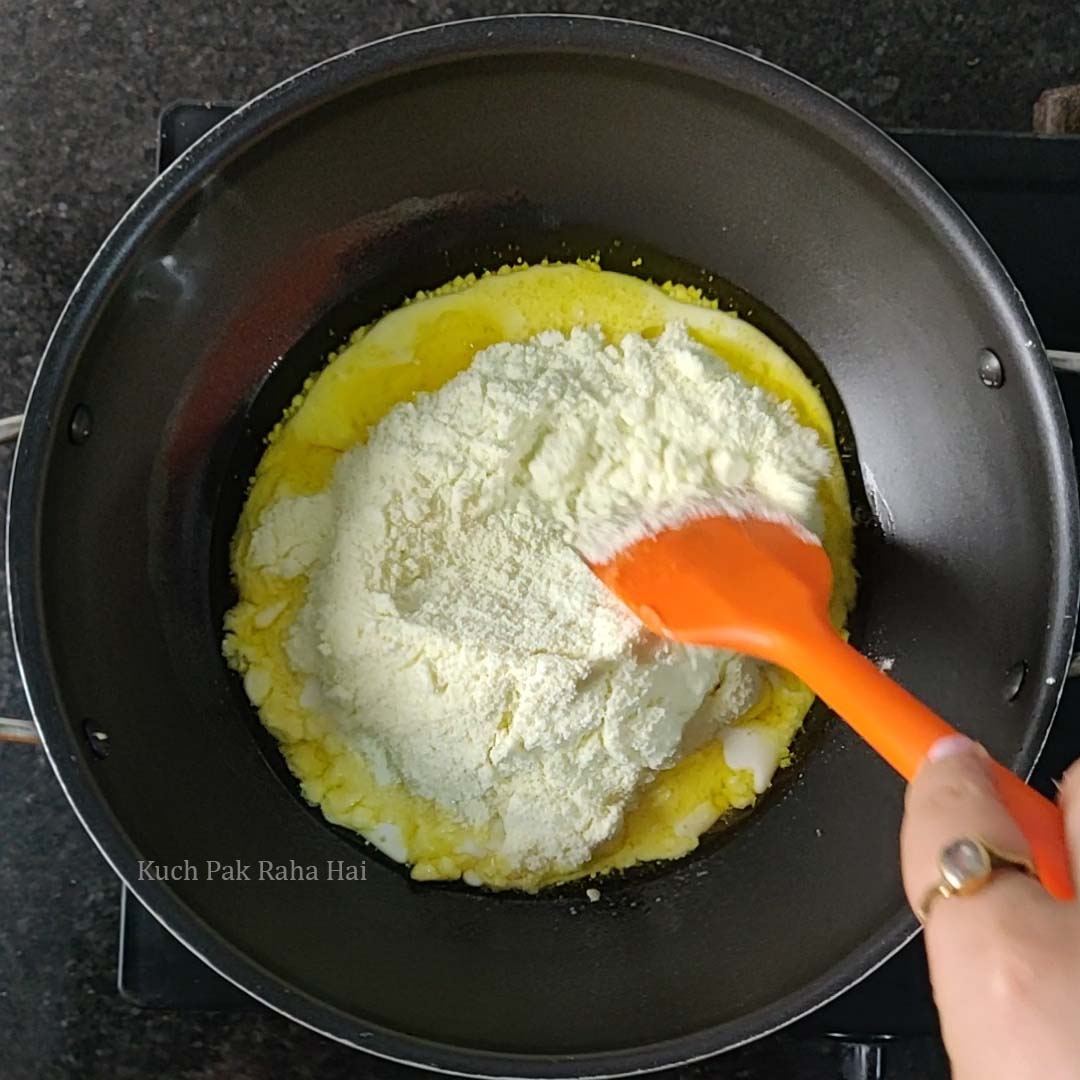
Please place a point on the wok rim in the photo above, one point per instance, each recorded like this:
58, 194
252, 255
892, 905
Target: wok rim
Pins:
285, 102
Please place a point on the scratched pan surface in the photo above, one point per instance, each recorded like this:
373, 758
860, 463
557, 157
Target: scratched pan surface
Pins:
337, 194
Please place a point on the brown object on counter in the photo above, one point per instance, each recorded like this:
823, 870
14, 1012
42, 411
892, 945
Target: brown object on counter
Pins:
1057, 112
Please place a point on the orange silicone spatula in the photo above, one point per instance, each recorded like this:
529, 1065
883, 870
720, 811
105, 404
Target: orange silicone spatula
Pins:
762, 587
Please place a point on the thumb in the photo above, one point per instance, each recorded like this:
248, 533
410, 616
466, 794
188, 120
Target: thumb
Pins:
1069, 799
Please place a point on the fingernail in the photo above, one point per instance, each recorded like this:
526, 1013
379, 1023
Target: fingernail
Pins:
950, 746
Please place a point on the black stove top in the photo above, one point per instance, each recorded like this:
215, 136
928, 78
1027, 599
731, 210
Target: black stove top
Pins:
1023, 192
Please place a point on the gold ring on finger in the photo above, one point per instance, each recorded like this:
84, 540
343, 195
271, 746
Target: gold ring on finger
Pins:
966, 865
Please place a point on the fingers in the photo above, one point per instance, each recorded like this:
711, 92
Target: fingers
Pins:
1004, 959
952, 797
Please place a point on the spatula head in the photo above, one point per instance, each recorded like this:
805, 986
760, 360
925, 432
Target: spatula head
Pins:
738, 583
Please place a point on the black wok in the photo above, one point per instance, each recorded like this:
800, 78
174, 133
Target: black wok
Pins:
391, 168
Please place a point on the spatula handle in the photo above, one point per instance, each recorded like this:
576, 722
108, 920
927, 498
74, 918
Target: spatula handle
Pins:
902, 729
1043, 827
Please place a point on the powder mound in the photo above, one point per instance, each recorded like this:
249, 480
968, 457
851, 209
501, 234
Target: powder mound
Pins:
603, 540
451, 633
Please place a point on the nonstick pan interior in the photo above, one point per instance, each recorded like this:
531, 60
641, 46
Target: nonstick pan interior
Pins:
326, 190
472, 239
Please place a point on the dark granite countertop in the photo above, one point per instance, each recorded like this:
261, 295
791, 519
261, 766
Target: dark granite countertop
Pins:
82, 83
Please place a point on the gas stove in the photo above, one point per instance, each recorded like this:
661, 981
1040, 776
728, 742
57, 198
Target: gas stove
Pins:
1023, 192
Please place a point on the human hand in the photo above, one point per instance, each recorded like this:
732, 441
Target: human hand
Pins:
1004, 961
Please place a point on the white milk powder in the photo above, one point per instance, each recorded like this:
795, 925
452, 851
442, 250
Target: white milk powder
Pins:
451, 631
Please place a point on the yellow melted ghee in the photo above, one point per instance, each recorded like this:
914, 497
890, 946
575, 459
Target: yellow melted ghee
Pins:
419, 347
